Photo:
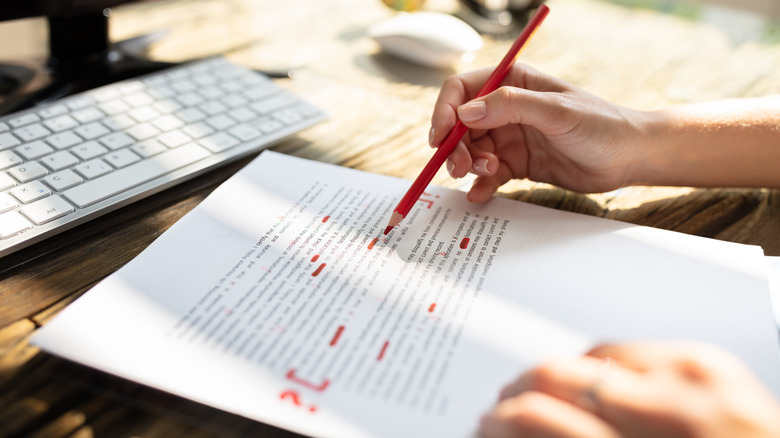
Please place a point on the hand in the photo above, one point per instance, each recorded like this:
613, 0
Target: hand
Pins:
536, 127
663, 390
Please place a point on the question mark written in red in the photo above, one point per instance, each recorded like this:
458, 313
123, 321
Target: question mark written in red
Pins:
296, 399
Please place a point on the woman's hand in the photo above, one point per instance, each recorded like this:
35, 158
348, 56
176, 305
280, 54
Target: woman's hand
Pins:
536, 127
660, 390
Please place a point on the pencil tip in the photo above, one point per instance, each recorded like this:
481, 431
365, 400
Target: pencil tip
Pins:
395, 219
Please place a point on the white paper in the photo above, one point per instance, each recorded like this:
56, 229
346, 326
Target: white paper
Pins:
773, 270
274, 299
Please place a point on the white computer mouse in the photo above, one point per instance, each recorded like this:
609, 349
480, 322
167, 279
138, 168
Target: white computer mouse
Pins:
433, 39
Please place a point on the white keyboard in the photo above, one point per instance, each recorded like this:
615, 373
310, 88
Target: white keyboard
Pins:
72, 160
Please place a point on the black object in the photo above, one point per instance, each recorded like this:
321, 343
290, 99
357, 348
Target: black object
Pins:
81, 57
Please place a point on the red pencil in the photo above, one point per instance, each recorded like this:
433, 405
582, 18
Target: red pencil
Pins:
452, 139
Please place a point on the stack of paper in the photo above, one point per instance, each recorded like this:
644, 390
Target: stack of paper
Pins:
278, 300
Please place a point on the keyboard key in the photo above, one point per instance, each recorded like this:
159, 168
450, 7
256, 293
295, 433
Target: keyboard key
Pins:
218, 142
46, 210
261, 92
142, 131
212, 108
93, 168
8, 159
271, 104
166, 106
105, 94
61, 123
174, 139
32, 132
167, 123
121, 158
189, 115
116, 140
183, 86
6, 181
89, 150
92, 130
78, 102
148, 148
211, 93
189, 99
64, 140
63, 180
33, 150
116, 106
12, 223
144, 114
197, 130
244, 132
288, 116
31, 191
269, 126
4, 127
220, 122
116, 182
88, 114
28, 171
138, 99
7, 202
242, 114
7, 140
118, 122
24, 119
131, 87
234, 100
54, 110
59, 160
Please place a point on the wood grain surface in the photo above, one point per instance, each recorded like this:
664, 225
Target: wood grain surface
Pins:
379, 119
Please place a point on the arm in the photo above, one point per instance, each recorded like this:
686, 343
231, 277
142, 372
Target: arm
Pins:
730, 143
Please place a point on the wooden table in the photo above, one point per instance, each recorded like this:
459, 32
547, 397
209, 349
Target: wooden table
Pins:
380, 109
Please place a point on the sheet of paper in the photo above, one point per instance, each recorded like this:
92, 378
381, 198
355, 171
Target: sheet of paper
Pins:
275, 299
773, 267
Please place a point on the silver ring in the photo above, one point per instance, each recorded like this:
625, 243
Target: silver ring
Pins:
589, 400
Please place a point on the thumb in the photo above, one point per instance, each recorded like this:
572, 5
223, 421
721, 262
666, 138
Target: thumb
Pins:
512, 105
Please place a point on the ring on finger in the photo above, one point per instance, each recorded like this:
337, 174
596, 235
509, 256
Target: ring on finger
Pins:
590, 400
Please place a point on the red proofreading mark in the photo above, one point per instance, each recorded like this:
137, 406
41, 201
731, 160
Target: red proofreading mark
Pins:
373, 242
428, 201
464, 243
432, 307
336, 337
318, 270
384, 349
296, 399
314, 259
319, 388
325, 219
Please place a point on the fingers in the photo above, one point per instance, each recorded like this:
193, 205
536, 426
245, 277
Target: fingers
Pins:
550, 113
693, 361
565, 379
460, 89
536, 414
485, 185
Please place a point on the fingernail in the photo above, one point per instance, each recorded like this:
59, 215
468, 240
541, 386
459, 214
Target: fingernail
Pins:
430, 137
450, 168
472, 111
480, 165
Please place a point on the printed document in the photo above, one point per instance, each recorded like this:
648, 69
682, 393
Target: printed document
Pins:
279, 299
